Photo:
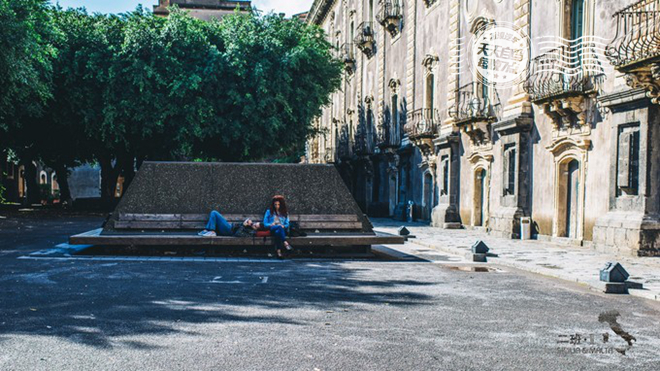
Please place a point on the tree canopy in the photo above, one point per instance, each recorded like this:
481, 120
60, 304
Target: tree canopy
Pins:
119, 90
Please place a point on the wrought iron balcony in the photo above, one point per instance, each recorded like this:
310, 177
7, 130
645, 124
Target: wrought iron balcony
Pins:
390, 16
473, 104
635, 50
422, 123
363, 145
389, 135
638, 34
365, 38
344, 144
347, 55
570, 70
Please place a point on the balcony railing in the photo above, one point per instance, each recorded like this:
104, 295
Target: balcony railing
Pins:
344, 144
363, 144
572, 69
347, 55
390, 16
365, 38
422, 123
638, 34
474, 104
389, 135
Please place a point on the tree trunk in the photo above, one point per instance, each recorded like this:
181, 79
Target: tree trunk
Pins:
3, 163
33, 192
108, 178
63, 181
3, 170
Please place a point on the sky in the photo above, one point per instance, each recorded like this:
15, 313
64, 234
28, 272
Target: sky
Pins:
289, 7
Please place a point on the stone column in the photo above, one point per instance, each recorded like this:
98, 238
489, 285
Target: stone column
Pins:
446, 214
519, 104
411, 26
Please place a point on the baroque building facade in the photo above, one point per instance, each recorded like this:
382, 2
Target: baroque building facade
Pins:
203, 9
571, 144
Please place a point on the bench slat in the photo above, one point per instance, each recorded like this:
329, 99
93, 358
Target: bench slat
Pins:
236, 217
199, 225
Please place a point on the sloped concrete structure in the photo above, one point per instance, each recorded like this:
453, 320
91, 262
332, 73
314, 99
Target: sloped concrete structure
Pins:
236, 188
169, 202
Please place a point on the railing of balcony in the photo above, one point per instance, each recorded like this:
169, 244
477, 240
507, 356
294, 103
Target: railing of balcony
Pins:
389, 134
363, 144
638, 33
390, 11
422, 123
473, 103
569, 70
365, 35
347, 53
344, 144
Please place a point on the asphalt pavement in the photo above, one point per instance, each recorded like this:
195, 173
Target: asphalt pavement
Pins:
436, 313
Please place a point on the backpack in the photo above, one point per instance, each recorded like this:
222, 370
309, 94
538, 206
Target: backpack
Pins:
295, 231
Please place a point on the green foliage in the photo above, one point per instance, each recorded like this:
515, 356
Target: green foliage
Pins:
278, 75
25, 61
136, 86
2, 192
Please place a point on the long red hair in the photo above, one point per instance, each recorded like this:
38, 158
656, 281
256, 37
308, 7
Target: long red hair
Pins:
283, 210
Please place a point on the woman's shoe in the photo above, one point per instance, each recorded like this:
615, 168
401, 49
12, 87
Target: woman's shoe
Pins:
280, 255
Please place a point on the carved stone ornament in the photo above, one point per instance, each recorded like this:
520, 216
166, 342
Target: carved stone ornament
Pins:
648, 79
394, 85
430, 61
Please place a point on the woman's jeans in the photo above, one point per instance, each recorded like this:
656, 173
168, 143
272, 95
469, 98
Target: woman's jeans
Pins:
279, 234
219, 224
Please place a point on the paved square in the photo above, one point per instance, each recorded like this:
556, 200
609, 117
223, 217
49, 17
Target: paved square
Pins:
301, 315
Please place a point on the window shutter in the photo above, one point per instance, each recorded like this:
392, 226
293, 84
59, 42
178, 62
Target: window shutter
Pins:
625, 147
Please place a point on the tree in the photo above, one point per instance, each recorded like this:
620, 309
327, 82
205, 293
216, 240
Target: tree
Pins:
25, 61
67, 134
123, 89
25, 67
278, 75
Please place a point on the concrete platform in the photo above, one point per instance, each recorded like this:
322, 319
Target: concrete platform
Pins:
95, 237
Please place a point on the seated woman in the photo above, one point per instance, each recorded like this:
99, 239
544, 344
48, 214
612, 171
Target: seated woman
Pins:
218, 225
277, 220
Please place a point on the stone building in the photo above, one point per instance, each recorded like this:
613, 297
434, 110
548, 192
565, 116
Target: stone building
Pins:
203, 9
424, 114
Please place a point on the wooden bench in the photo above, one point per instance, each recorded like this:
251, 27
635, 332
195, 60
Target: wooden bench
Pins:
346, 222
181, 230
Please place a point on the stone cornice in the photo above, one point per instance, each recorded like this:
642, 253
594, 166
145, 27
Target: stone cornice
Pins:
319, 11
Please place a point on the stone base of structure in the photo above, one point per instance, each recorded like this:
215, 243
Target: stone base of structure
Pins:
505, 222
628, 233
445, 216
